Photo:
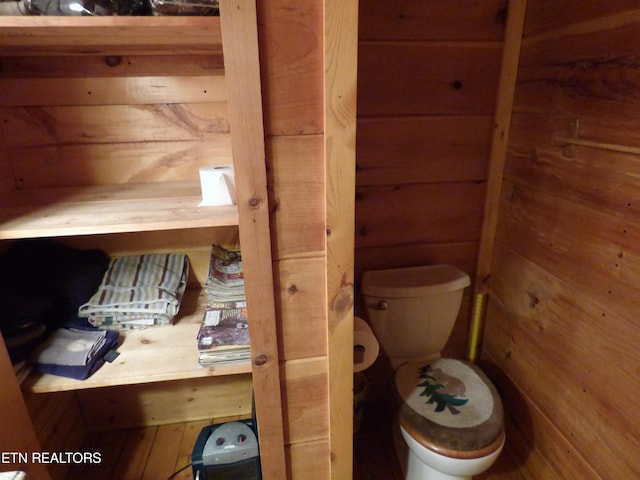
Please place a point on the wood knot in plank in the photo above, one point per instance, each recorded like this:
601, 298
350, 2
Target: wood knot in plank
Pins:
260, 360
343, 301
533, 300
113, 60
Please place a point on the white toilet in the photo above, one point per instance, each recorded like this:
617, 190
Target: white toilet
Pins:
450, 413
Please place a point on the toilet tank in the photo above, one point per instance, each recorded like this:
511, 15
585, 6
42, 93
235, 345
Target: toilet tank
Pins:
412, 310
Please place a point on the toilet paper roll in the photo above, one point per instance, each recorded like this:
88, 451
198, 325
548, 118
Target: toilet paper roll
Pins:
218, 186
365, 345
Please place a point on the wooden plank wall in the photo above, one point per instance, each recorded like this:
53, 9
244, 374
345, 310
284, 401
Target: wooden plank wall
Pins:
427, 84
83, 124
562, 327
291, 56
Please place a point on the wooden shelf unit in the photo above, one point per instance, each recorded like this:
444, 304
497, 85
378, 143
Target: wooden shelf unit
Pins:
38, 48
155, 354
34, 35
90, 210
150, 355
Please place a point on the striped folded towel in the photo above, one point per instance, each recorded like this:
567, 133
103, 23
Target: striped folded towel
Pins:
139, 287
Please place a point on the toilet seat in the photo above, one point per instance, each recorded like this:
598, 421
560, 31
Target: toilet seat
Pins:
450, 407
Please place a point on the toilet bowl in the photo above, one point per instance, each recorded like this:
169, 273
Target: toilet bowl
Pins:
451, 417
426, 464
449, 413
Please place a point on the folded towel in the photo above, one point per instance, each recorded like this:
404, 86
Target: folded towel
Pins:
71, 347
74, 353
151, 284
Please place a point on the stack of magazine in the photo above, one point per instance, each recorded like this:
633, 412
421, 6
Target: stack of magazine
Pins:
223, 336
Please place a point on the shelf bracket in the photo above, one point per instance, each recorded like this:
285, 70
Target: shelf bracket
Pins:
570, 141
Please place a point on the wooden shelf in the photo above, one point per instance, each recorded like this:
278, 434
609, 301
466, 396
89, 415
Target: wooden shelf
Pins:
150, 355
55, 212
45, 35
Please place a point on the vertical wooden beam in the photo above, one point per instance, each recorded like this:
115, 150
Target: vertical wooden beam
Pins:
17, 435
340, 82
242, 72
499, 142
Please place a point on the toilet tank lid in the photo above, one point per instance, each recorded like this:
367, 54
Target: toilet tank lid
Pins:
413, 281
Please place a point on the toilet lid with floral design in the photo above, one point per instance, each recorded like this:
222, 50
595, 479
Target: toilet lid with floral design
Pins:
449, 404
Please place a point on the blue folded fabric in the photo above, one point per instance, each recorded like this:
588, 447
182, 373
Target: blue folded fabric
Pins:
75, 353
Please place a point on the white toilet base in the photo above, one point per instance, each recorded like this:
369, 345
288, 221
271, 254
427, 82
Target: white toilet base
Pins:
417, 470
427, 465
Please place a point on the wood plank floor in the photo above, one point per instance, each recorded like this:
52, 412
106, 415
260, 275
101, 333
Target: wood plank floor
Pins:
374, 456
146, 453
155, 453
